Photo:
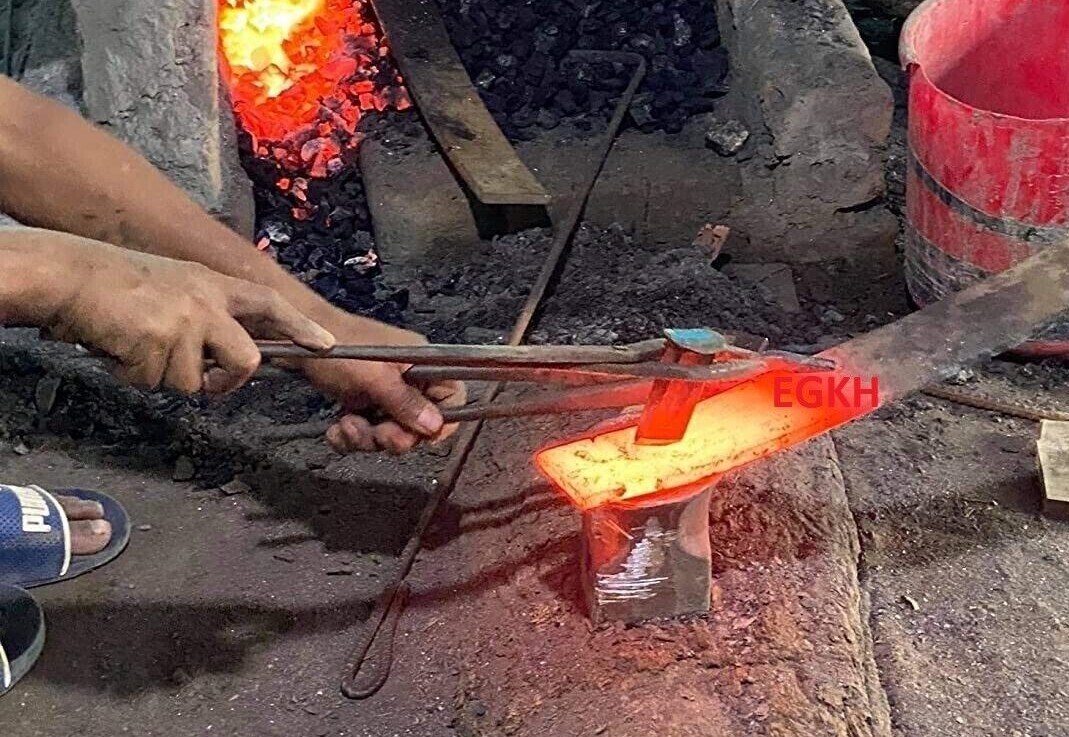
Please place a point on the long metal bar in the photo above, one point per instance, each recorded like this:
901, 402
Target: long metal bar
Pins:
979, 322
616, 395
360, 682
569, 376
590, 373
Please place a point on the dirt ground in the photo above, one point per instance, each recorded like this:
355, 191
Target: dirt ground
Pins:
238, 612
967, 580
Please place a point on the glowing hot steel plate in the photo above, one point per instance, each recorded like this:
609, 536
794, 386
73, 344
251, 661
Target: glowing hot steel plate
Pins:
741, 425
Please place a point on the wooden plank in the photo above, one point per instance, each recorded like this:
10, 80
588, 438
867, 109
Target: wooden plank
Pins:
1052, 451
448, 101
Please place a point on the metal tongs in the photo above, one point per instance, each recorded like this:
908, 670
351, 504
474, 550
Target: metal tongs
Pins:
700, 363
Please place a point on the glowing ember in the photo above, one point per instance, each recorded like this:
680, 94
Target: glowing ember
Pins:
727, 431
253, 38
297, 65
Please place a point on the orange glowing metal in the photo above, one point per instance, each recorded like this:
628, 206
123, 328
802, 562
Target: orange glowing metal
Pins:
729, 430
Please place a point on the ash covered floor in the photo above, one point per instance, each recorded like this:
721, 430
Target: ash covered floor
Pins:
238, 611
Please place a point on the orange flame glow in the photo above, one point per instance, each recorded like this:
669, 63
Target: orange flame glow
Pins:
729, 430
285, 58
255, 35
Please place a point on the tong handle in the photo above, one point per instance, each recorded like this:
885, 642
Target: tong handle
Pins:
476, 355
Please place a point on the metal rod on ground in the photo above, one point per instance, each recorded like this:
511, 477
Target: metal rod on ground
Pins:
360, 682
1011, 409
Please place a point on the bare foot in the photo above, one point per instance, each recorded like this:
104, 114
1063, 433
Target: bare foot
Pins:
90, 532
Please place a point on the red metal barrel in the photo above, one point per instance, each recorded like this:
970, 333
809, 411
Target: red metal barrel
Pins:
988, 181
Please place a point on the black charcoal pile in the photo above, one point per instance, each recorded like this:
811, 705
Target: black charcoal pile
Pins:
320, 230
516, 51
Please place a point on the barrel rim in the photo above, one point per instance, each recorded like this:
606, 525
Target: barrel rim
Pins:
907, 55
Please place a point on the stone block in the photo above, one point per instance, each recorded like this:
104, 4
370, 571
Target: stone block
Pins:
419, 212
150, 75
816, 92
821, 119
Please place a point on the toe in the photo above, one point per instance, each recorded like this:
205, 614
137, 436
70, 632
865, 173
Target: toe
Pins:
89, 536
81, 509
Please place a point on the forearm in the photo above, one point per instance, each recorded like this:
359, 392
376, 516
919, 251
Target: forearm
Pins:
58, 171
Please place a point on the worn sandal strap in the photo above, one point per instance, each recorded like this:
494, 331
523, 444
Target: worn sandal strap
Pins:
35, 541
5, 670
22, 634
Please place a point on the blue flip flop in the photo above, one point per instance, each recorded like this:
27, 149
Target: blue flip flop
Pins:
35, 541
22, 635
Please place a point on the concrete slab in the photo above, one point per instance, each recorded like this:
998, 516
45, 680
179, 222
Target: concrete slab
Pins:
661, 188
419, 212
820, 118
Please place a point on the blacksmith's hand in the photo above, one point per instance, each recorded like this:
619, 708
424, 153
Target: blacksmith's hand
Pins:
159, 318
361, 386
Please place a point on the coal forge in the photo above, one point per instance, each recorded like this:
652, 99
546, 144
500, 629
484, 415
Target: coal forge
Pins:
304, 75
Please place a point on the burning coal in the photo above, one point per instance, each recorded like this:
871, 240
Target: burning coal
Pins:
743, 424
305, 69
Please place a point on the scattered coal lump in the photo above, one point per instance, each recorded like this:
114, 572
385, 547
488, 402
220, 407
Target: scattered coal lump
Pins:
612, 289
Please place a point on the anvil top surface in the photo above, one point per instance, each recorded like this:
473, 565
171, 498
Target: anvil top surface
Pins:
704, 341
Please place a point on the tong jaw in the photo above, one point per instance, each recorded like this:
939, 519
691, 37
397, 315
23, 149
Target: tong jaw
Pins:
671, 403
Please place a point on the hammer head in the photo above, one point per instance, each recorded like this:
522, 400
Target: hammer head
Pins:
671, 404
